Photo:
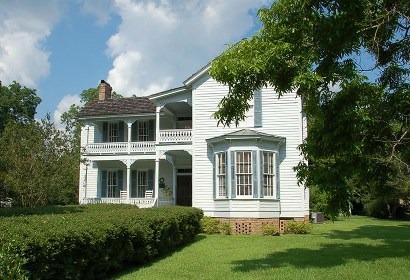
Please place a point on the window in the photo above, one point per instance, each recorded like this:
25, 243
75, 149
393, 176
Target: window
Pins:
268, 174
243, 172
143, 131
142, 183
112, 184
112, 132
221, 174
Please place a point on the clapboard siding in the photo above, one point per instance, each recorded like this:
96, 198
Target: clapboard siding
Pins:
281, 117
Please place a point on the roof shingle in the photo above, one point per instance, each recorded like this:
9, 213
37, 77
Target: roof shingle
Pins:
120, 106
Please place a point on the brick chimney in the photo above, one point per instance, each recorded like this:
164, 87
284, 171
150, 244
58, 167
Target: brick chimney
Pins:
104, 91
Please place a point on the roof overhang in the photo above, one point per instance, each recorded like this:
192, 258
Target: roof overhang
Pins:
121, 116
167, 93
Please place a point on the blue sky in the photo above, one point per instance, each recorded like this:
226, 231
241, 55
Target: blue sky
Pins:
140, 47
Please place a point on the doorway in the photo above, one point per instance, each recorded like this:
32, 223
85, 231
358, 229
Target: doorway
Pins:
184, 189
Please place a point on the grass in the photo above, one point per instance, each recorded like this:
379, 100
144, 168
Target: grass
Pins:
352, 248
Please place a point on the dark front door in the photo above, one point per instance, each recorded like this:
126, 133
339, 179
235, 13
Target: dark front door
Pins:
184, 190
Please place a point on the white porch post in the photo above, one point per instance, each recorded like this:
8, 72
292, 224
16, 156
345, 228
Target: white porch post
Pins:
174, 183
157, 112
128, 181
156, 180
129, 124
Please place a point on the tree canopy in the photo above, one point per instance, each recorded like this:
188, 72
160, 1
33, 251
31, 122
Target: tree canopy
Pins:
17, 104
349, 61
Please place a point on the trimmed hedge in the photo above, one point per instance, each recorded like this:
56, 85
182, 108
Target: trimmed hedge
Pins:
91, 242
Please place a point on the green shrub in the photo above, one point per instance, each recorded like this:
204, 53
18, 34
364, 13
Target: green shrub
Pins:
226, 228
269, 230
92, 242
210, 225
295, 227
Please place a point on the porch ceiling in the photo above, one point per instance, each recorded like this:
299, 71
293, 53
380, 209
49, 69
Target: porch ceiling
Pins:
180, 157
179, 108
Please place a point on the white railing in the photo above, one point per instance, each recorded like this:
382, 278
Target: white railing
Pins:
107, 148
140, 202
120, 147
148, 146
175, 135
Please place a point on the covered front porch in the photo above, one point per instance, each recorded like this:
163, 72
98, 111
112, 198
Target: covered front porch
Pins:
144, 182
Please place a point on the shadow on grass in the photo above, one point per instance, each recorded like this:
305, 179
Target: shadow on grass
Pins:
159, 258
386, 242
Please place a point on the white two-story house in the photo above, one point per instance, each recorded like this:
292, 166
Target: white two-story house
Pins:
166, 149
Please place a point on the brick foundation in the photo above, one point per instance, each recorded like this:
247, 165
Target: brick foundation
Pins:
253, 225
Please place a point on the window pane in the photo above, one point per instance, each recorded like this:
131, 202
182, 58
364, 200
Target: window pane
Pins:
142, 183
269, 183
243, 173
220, 172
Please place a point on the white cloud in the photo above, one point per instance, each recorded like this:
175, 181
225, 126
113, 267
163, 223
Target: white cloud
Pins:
101, 9
161, 43
63, 106
24, 26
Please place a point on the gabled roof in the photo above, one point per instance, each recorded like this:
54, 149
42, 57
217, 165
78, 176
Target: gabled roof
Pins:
197, 74
120, 106
246, 134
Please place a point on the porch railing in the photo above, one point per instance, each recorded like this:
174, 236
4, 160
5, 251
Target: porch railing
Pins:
175, 135
140, 202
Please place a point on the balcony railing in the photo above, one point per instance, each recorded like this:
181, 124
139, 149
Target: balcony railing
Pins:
175, 135
165, 136
120, 147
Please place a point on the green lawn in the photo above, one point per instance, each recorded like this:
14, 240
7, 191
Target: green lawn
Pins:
352, 248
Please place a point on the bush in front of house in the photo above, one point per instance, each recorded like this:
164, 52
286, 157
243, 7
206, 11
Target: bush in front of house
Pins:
92, 242
270, 230
211, 225
295, 227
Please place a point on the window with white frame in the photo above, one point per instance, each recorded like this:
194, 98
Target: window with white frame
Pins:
113, 132
269, 184
142, 183
243, 173
143, 131
221, 174
112, 183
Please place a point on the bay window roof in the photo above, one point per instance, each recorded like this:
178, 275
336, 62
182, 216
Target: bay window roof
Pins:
246, 134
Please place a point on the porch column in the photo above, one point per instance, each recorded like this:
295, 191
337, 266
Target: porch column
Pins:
156, 180
174, 183
157, 112
128, 181
129, 124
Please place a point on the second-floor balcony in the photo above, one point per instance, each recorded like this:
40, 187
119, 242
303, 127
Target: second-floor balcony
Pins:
177, 136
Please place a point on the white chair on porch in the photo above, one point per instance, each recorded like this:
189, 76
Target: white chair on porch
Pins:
123, 195
149, 193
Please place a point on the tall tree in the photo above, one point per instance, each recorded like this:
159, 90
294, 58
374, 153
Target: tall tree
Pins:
349, 61
17, 104
37, 168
